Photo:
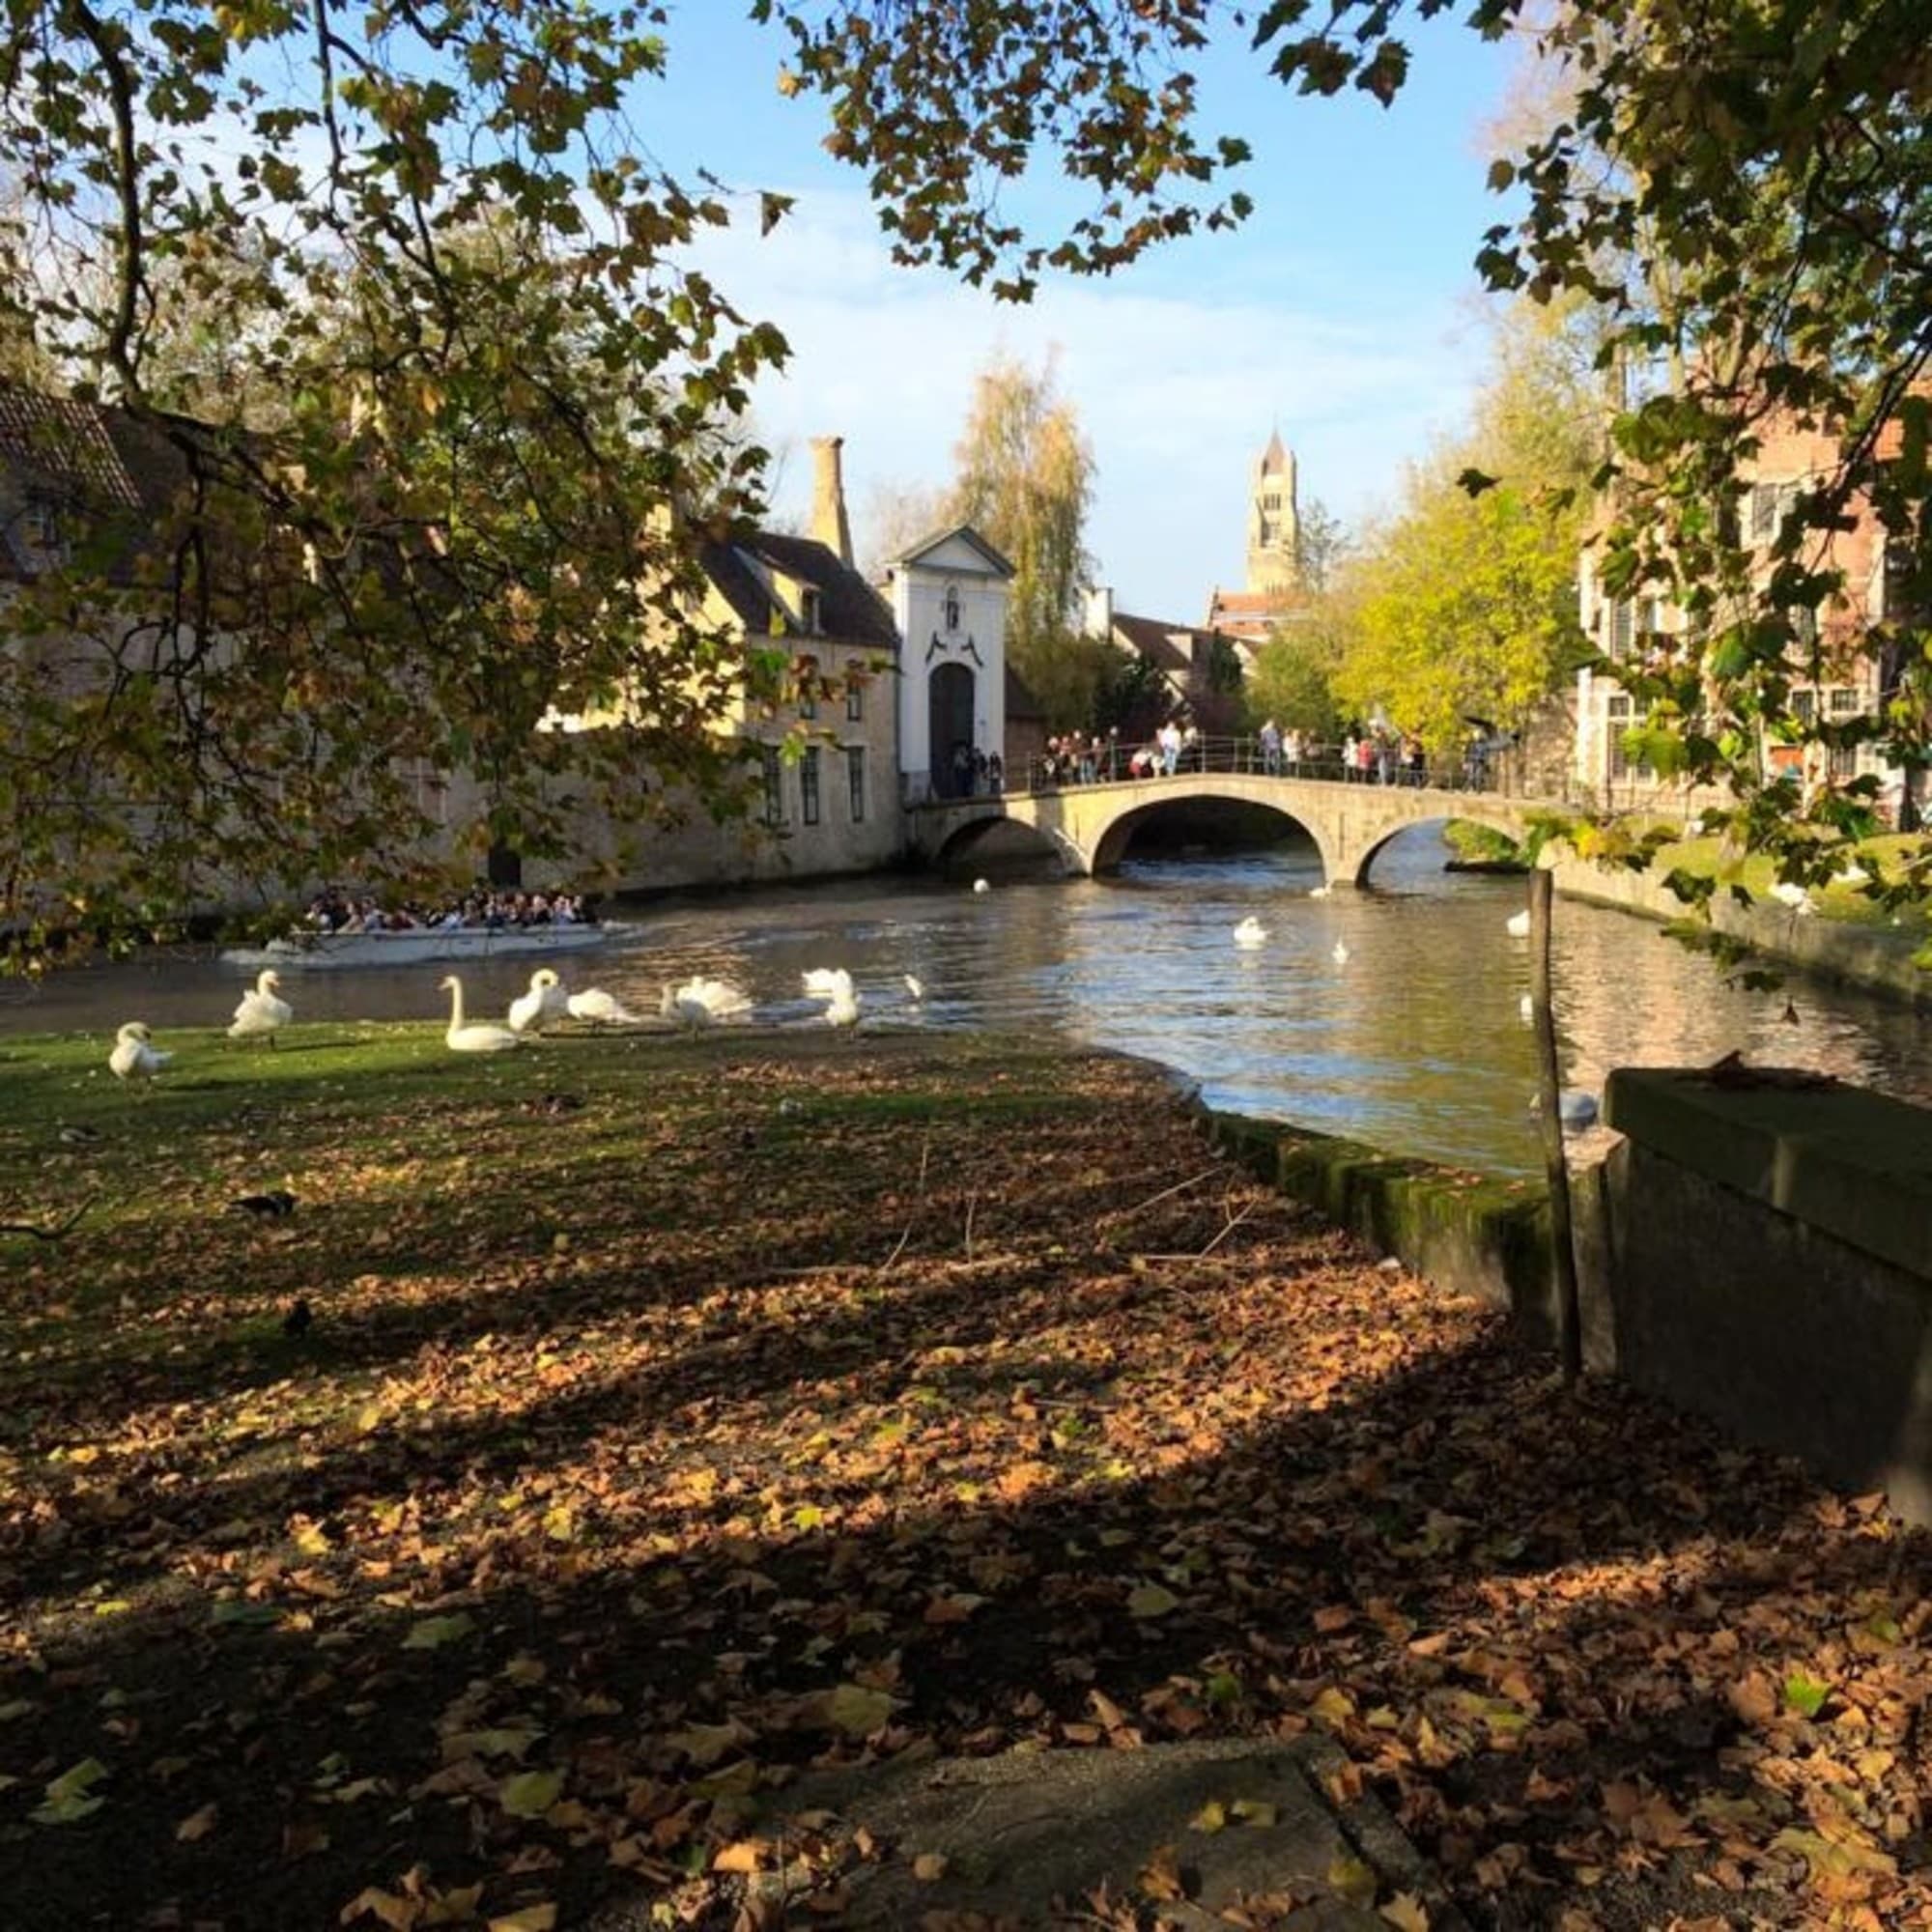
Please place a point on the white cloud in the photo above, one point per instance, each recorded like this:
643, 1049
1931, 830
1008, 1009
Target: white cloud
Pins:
1178, 384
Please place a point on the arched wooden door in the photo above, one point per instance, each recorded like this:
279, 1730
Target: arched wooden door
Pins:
950, 730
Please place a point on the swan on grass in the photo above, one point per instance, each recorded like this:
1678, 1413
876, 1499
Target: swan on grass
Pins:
533, 1011
1251, 932
479, 1036
600, 1008
702, 1002
844, 1011
827, 982
1519, 925
260, 1011
132, 1058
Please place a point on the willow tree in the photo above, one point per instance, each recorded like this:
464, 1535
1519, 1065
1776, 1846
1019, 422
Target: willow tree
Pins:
430, 495
1025, 478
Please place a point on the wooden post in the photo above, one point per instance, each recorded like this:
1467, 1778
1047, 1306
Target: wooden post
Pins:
1555, 1161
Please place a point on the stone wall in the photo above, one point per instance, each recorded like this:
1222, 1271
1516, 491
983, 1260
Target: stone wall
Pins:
1759, 1252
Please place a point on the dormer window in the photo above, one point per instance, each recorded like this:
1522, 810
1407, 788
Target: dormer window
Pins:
951, 607
808, 611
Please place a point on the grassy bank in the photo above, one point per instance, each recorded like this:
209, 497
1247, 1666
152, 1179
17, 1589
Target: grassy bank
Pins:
678, 1412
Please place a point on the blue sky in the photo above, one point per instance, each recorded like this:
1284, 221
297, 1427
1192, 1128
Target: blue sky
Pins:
1344, 310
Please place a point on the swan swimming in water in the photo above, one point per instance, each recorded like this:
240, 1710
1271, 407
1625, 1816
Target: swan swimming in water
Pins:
827, 982
533, 1011
1341, 954
479, 1036
132, 1058
260, 1012
843, 1011
701, 1003
1319, 892
1519, 925
980, 885
1525, 1009
913, 987
1251, 932
599, 1008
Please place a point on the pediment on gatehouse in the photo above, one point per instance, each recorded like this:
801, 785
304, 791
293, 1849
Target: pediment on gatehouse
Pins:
959, 552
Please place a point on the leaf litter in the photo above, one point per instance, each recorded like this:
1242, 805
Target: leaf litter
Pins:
782, 1408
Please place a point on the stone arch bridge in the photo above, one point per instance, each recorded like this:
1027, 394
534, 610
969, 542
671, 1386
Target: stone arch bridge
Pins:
1089, 826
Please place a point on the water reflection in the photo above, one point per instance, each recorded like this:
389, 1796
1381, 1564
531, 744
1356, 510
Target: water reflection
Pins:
1415, 1044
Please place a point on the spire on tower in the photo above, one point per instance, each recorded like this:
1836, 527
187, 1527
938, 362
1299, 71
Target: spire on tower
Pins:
1274, 458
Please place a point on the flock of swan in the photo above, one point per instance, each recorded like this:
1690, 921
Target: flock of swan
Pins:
699, 1001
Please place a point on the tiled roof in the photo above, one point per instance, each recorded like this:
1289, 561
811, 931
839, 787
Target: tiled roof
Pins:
849, 610
1167, 648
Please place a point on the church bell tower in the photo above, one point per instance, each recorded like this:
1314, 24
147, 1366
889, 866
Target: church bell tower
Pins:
1275, 525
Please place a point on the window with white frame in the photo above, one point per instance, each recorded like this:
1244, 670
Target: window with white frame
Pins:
807, 786
855, 781
774, 775
855, 702
1621, 713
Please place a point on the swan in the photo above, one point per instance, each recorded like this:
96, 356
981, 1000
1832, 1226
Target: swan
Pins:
1794, 897
1526, 1007
599, 1008
260, 1011
843, 1011
531, 1011
1575, 1108
1319, 892
700, 1002
1341, 952
132, 1058
913, 987
480, 1035
827, 982
1519, 925
1251, 932
980, 885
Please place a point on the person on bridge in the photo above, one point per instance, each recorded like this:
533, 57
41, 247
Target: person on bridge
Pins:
1271, 749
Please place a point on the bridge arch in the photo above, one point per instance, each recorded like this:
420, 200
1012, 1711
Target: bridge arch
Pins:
1109, 839
1006, 841
1503, 819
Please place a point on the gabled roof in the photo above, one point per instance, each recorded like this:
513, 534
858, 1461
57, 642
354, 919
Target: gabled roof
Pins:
1167, 648
849, 610
966, 534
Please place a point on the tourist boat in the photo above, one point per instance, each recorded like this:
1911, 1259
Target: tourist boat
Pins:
417, 945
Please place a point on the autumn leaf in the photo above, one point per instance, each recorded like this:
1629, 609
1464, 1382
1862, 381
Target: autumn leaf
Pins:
930, 1867
1805, 1694
1212, 1816
197, 1825
432, 1633
70, 1796
743, 1855
705, 1745
1256, 1811
529, 1794
1406, 1913
857, 1711
1151, 1600
1162, 1878
526, 1918
1353, 1880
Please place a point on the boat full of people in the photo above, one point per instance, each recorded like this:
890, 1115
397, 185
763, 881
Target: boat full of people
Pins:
340, 931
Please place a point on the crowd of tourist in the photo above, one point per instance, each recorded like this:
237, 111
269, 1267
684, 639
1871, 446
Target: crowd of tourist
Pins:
484, 909
1363, 756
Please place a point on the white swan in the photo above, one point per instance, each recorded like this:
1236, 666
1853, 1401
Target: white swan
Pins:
980, 885
1519, 925
599, 1008
1527, 1009
260, 1011
843, 1011
700, 1002
1793, 895
132, 1058
1319, 892
913, 987
480, 1035
533, 1011
827, 982
1251, 932
1341, 954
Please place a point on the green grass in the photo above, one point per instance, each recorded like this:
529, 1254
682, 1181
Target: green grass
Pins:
1708, 858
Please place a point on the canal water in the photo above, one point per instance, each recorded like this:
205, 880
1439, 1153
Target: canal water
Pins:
1413, 1042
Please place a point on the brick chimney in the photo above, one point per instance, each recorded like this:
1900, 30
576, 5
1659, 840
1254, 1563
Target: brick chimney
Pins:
829, 524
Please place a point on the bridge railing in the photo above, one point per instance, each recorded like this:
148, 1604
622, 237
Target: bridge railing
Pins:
1111, 762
